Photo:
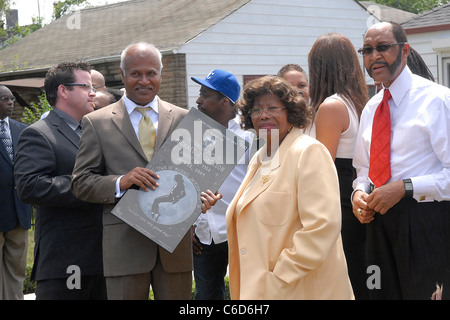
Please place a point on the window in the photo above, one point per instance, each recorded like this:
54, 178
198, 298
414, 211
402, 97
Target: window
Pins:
446, 72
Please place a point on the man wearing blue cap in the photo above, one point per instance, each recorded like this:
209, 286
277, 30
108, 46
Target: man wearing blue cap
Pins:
218, 93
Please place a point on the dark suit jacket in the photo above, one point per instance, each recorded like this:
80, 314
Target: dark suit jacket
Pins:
68, 230
13, 212
110, 148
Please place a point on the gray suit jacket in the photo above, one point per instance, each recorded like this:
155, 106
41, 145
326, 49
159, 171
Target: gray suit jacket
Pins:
110, 148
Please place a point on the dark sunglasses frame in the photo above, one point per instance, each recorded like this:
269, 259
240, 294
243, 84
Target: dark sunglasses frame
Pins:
83, 85
365, 51
5, 98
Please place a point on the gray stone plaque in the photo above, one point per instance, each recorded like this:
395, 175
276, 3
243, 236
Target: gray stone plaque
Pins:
198, 156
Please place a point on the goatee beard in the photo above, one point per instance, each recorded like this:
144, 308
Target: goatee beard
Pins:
392, 68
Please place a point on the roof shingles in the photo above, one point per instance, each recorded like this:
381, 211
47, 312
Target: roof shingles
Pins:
105, 31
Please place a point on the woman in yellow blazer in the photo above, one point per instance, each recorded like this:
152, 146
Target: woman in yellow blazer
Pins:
284, 223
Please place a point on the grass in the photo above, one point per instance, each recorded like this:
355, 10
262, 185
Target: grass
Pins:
28, 285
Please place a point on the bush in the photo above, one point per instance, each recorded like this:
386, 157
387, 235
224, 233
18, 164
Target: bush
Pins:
34, 113
29, 286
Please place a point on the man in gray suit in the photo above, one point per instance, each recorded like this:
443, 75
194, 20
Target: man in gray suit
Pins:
68, 254
111, 160
15, 216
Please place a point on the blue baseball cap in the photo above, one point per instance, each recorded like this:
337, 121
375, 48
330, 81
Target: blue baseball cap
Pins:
222, 81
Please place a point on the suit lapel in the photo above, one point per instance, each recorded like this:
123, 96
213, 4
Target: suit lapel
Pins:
260, 174
121, 120
64, 128
15, 132
165, 121
267, 171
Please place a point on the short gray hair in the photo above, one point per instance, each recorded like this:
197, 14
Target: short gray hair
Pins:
142, 45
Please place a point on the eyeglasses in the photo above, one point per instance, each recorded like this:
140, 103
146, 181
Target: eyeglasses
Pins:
5, 99
271, 111
83, 85
365, 51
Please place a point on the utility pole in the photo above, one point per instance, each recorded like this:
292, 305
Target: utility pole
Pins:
39, 10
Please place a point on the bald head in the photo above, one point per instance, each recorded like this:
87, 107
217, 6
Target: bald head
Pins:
140, 49
98, 80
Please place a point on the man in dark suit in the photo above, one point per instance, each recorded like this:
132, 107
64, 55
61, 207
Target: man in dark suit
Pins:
111, 160
15, 216
68, 251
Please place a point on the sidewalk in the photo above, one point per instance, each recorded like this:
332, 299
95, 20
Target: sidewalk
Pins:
30, 296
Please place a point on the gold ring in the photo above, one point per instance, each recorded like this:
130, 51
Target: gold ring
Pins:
359, 211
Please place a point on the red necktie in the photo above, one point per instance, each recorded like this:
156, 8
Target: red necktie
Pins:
380, 146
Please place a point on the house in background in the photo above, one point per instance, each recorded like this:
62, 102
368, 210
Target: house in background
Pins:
385, 13
429, 34
246, 37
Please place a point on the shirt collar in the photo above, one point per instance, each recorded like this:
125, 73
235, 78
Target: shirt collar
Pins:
7, 121
401, 85
234, 123
71, 122
130, 105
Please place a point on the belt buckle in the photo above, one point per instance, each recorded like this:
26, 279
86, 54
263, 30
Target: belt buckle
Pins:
372, 187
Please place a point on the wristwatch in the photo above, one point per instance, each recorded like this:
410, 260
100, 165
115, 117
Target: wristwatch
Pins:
409, 191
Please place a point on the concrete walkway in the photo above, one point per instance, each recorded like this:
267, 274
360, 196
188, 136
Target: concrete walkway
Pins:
30, 296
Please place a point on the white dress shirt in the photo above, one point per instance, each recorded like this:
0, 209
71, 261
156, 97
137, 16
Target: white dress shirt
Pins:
212, 225
420, 139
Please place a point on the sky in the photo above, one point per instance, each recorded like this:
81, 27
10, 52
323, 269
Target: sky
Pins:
31, 8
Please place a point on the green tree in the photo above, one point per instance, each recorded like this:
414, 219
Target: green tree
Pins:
414, 6
4, 10
8, 37
4, 6
62, 7
19, 32
36, 110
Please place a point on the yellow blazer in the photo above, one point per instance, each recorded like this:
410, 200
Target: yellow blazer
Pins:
284, 226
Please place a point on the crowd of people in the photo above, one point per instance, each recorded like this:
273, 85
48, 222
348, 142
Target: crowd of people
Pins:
339, 182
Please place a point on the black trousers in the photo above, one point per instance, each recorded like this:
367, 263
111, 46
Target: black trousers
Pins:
411, 246
353, 232
91, 288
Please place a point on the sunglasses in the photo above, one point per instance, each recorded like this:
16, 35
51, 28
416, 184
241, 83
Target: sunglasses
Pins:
5, 99
365, 51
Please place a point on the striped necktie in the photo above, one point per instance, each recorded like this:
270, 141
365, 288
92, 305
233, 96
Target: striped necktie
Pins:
6, 140
147, 133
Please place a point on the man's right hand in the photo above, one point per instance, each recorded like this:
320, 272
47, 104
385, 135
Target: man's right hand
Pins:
141, 177
360, 208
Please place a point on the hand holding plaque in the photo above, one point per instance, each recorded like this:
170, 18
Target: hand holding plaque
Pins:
179, 182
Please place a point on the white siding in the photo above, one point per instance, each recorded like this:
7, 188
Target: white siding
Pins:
263, 35
423, 43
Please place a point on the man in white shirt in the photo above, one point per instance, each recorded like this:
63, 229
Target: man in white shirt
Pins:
218, 93
408, 216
